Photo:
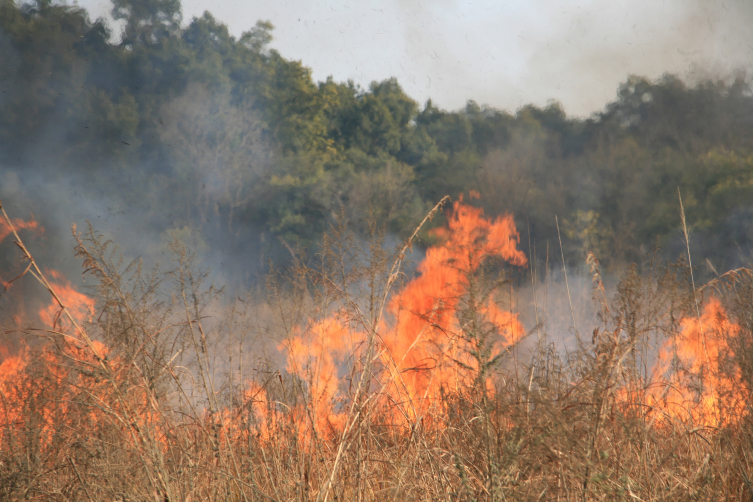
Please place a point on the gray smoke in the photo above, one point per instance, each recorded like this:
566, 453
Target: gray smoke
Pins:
504, 54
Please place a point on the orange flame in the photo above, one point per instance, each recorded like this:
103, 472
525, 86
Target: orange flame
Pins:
18, 224
426, 349
40, 379
10, 411
34, 388
693, 383
79, 305
256, 396
313, 357
426, 310
40, 391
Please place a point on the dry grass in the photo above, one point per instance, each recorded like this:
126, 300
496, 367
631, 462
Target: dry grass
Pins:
172, 405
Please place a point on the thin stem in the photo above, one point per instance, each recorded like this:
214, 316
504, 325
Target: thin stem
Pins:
692, 282
567, 284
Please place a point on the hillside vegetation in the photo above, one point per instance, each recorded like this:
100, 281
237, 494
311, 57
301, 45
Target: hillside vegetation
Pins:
398, 323
226, 136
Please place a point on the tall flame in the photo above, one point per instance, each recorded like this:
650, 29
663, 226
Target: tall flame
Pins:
695, 383
314, 358
426, 341
425, 348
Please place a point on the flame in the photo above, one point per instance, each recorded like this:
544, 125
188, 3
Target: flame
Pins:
18, 224
13, 396
426, 340
10, 367
264, 419
39, 385
79, 305
426, 348
692, 383
41, 391
312, 356
35, 393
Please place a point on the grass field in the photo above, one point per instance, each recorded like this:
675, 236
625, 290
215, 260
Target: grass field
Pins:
350, 380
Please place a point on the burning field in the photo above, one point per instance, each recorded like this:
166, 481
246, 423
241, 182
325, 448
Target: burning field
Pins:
355, 380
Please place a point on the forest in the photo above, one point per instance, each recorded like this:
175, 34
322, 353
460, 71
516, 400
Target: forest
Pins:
393, 317
232, 140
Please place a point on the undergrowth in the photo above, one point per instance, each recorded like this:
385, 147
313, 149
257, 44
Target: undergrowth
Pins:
169, 394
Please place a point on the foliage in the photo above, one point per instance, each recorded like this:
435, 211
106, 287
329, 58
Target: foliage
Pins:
284, 153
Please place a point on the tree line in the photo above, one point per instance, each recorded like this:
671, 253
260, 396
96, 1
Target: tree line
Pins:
231, 138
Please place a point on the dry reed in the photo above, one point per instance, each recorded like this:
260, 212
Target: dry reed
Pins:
135, 405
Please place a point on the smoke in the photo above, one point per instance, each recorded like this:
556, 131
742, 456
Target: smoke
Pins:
188, 192
588, 50
508, 55
193, 184
500, 53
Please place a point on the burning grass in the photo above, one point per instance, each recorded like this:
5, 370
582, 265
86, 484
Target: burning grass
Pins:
377, 386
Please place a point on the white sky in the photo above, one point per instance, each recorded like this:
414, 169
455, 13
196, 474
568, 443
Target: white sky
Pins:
504, 54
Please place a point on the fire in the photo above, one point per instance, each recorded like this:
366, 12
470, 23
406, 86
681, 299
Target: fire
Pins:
79, 305
39, 384
10, 410
56, 388
257, 397
427, 340
36, 388
10, 367
18, 224
47, 389
314, 357
693, 384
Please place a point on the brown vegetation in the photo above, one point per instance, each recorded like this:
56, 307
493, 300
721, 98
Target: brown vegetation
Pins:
163, 394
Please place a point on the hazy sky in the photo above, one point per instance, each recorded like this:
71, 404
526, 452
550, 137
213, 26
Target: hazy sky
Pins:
501, 53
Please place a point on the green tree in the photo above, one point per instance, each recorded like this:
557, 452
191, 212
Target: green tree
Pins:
147, 22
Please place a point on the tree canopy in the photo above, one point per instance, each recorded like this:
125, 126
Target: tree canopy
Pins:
231, 138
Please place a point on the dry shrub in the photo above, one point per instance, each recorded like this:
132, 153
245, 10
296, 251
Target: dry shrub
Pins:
174, 403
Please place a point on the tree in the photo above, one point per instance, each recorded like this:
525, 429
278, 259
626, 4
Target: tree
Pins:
147, 21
